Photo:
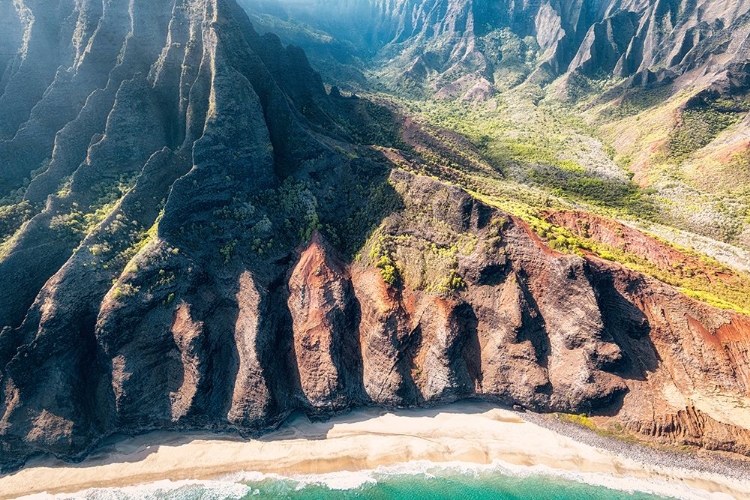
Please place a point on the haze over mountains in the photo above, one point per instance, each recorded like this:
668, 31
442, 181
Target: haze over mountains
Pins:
197, 234
658, 90
439, 40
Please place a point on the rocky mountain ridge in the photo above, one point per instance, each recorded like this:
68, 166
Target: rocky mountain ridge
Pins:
476, 44
646, 97
206, 239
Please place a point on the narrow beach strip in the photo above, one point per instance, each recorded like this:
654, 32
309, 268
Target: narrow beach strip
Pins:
467, 432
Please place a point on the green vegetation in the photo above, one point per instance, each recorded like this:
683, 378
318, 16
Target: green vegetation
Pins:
701, 122
624, 195
228, 250
552, 148
368, 122
139, 238
13, 217
388, 270
581, 420
261, 223
453, 282
635, 101
613, 430
75, 224
381, 256
700, 284
121, 241
15, 212
738, 296
526, 153
124, 291
426, 261
165, 279
372, 202
511, 57
78, 221
16, 196
439, 273
296, 201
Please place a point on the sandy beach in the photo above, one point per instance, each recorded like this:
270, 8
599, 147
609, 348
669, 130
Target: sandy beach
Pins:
473, 433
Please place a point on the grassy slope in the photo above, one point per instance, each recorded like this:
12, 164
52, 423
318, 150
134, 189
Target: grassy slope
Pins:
628, 159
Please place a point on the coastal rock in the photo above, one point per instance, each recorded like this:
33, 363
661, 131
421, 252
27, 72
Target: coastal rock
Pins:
386, 333
324, 317
692, 427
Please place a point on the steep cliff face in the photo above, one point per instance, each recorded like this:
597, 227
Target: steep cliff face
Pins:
505, 42
155, 126
123, 99
213, 245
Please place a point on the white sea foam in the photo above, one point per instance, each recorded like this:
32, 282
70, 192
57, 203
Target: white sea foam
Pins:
209, 490
242, 484
348, 480
344, 480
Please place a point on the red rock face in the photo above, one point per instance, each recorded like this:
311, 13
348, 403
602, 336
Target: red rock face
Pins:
525, 326
187, 335
624, 238
415, 348
251, 394
386, 332
532, 327
324, 316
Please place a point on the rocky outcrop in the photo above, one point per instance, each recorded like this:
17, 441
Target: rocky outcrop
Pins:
151, 101
685, 358
324, 315
241, 347
692, 427
438, 42
225, 252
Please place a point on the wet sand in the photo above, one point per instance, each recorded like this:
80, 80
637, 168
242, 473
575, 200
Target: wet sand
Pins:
468, 432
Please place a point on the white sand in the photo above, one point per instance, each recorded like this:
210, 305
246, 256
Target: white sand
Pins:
473, 433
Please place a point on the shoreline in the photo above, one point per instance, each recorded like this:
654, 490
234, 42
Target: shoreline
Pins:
696, 460
365, 440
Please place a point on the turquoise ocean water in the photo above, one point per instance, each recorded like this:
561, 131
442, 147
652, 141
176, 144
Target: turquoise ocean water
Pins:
428, 482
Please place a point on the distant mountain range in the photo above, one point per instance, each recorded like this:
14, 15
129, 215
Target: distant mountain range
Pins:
507, 42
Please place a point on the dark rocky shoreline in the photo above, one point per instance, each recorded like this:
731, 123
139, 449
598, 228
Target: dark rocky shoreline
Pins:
696, 459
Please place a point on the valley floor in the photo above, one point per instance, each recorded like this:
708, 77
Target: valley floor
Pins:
467, 432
